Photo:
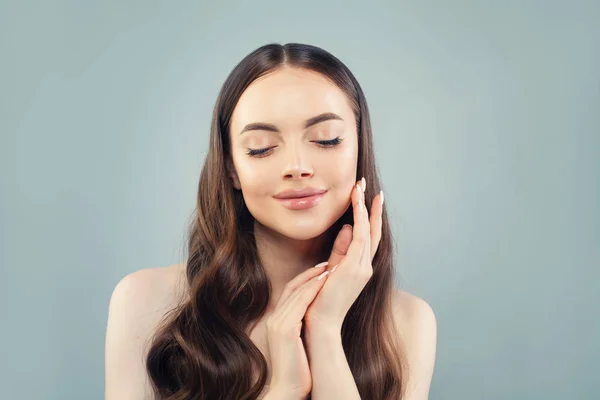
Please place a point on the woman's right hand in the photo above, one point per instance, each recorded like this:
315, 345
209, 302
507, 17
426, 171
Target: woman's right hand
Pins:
289, 363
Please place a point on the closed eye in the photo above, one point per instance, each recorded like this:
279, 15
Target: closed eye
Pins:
330, 143
323, 143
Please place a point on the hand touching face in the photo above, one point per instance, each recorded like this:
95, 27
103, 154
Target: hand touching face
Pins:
352, 254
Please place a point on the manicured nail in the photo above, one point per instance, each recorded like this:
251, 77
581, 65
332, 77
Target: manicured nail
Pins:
322, 275
320, 265
333, 269
364, 183
381, 193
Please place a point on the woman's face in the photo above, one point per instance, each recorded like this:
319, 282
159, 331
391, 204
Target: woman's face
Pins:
274, 150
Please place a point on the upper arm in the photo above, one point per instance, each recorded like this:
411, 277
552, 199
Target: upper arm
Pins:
136, 307
417, 324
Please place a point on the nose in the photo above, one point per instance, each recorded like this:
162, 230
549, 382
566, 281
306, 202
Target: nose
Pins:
298, 165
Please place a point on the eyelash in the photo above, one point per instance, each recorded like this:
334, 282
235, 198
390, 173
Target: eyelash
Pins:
259, 153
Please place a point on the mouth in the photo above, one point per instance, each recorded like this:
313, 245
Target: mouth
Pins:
302, 203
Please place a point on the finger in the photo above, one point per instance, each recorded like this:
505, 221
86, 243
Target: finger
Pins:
294, 306
375, 222
366, 228
344, 238
354, 253
340, 246
300, 280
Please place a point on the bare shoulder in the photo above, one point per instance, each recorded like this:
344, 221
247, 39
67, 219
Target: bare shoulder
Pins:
151, 289
137, 305
417, 326
412, 310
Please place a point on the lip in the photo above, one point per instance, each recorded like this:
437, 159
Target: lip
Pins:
309, 198
296, 194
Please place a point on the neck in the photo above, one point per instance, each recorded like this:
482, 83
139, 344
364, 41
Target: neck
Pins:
284, 258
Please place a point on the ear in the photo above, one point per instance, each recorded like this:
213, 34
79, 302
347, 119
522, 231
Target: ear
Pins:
233, 174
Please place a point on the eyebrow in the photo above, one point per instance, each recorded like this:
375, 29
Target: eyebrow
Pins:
261, 126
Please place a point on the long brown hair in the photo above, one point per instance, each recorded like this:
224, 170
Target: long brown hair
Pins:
201, 350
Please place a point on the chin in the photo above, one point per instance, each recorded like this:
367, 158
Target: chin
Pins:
296, 229
301, 231
302, 234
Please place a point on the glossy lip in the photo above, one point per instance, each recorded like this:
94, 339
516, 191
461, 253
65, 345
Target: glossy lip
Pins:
300, 199
296, 194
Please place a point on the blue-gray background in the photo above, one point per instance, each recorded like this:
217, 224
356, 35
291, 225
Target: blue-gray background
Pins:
486, 119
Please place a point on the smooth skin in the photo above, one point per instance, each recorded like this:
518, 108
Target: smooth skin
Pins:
141, 298
295, 157
291, 371
289, 359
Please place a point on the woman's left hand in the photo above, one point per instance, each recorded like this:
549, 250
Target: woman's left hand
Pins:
353, 252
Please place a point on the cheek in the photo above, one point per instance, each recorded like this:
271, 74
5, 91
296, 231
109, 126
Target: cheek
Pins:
341, 168
255, 177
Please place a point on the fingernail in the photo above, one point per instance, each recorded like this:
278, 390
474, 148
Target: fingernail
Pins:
381, 192
324, 263
333, 269
364, 183
322, 275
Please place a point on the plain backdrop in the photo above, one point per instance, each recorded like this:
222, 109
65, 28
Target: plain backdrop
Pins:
486, 121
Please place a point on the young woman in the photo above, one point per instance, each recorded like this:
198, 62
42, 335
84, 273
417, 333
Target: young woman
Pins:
288, 289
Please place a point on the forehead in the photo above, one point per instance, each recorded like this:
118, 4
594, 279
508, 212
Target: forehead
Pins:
287, 97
